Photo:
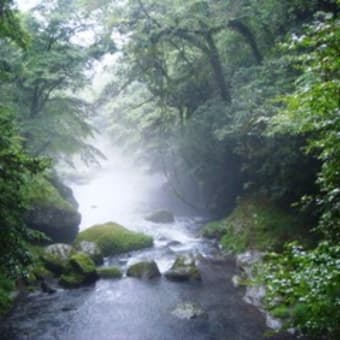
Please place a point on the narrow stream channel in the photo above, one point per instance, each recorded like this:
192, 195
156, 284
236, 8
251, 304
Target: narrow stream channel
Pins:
132, 309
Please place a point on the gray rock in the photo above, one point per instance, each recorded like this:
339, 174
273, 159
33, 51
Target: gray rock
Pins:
46, 287
183, 269
60, 250
55, 215
92, 250
56, 256
144, 270
189, 310
161, 216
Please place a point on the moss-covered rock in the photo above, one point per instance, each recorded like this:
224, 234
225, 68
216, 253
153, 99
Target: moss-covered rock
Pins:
80, 270
161, 216
183, 269
255, 223
55, 257
91, 249
109, 273
112, 238
144, 270
52, 210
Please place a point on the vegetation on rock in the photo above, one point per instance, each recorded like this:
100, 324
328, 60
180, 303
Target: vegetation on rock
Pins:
144, 270
80, 270
112, 238
109, 273
183, 269
256, 223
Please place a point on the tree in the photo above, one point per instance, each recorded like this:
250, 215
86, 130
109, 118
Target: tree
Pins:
313, 110
16, 171
46, 77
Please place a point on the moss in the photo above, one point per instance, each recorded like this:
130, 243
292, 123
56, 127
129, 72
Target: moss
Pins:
145, 270
43, 193
71, 280
37, 270
255, 223
7, 286
53, 264
112, 238
80, 270
215, 229
109, 273
82, 263
183, 269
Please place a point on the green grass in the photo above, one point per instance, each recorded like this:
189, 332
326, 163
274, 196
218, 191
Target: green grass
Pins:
113, 238
255, 223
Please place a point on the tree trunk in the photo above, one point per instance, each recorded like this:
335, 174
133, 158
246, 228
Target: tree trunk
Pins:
216, 65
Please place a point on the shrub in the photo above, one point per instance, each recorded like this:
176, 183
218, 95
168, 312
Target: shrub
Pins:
305, 284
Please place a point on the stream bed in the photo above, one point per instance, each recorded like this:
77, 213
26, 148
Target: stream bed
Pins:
133, 309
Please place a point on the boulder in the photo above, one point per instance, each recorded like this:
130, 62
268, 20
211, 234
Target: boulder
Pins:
144, 270
109, 273
80, 270
189, 310
92, 250
55, 257
112, 238
183, 269
52, 211
161, 216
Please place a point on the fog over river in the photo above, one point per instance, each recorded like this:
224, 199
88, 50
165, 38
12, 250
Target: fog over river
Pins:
133, 309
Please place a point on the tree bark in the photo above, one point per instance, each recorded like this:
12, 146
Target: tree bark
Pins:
216, 65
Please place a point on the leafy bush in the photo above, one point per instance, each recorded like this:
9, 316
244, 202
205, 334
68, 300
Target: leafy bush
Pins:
16, 171
304, 287
313, 110
6, 287
255, 223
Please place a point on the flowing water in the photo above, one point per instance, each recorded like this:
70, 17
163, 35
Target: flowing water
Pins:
132, 309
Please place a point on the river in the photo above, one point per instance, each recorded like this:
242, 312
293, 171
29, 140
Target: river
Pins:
132, 309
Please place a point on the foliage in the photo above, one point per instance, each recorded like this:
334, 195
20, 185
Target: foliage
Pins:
313, 110
41, 192
208, 71
6, 287
256, 223
304, 286
10, 26
45, 80
16, 171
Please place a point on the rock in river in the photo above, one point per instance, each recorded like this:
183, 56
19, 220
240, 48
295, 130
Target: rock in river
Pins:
161, 216
112, 238
189, 310
144, 270
80, 270
55, 257
52, 210
183, 269
91, 249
